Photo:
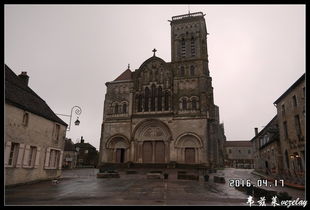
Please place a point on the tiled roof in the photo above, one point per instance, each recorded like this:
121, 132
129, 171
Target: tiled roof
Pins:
126, 75
84, 145
18, 94
300, 80
69, 145
238, 144
273, 121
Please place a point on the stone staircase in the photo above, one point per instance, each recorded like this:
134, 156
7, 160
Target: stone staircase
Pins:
130, 165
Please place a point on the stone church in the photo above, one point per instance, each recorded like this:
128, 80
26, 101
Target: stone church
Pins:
164, 112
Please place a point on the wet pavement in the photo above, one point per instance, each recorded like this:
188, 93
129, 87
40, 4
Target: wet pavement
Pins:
82, 187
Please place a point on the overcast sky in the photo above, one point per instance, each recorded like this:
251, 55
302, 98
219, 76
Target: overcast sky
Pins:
256, 52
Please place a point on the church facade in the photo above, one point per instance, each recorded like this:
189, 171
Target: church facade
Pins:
163, 112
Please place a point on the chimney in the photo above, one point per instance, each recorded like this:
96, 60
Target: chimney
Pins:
256, 131
82, 140
24, 77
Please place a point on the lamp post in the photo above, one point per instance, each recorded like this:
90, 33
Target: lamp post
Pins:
78, 111
77, 157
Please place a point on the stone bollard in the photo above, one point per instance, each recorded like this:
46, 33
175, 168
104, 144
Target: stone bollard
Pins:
219, 179
108, 175
166, 176
153, 176
206, 178
284, 196
131, 172
260, 192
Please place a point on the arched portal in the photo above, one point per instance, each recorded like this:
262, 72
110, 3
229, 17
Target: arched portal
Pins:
118, 149
189, 147
152, 142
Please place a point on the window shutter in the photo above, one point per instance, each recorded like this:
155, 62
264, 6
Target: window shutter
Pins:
47, 157
26, 156
20, 155
37, 161
60, 159
7, 152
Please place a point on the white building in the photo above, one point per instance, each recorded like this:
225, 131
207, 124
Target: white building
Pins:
34, 135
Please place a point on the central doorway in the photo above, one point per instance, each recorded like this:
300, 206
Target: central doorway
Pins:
153, 152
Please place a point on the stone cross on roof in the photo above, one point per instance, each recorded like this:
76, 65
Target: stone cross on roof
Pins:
154, 51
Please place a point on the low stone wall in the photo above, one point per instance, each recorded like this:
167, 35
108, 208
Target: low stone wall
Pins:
108, 175
153, 176
131, 172
219, 179
187, 176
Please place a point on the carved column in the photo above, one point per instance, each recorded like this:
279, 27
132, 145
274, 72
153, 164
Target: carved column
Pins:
142, 104
139, 159
114, 155
196, 155
153, 151
166, 151
130, 105
132, 151
162, 103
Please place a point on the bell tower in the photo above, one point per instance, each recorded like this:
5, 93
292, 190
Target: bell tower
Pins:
188, 37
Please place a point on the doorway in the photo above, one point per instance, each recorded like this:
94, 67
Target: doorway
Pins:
189, 155
120, 155
153, 152
147, 154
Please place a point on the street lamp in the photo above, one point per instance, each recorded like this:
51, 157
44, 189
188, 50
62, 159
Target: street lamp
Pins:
78, 111
77, 156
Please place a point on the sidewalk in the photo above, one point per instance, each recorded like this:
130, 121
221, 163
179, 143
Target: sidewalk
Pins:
286, 182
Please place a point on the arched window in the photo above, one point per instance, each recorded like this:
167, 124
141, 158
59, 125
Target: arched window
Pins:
151, 76
138, 83
145, 76
146, 99
192, 70
182, 71
124, 108
156, 76
116, 109
153, 93
287, 159
192, 46
183, 43
159, 99
25, 119
183, 51
166, 100
194, 104
184, 104
139, 103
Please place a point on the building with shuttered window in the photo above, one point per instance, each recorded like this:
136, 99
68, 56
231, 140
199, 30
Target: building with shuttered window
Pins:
34, 135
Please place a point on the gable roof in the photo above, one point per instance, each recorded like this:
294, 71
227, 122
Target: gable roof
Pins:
126, 75
18, 94
300, 80
69, 145
153, 58
238, 144
85, 145
274, 120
